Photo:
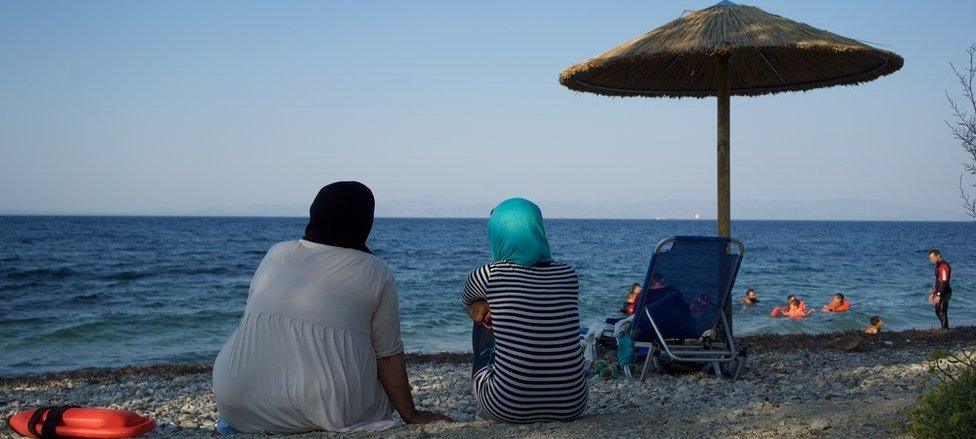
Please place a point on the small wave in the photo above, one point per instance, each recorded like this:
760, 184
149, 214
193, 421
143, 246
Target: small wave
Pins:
21, 321
156, 304
202, 270
83, 330
209, 313
195, 270
179, 271
118, 325
127, 275
16, 286
798, 268
87, 298
40, 273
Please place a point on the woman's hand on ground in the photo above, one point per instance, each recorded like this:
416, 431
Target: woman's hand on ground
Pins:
392, 372
425, 417
478, 311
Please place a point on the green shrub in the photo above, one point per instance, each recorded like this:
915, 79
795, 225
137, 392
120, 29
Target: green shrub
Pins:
949, 410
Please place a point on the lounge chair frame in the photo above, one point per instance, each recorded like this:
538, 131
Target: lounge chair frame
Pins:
716, 351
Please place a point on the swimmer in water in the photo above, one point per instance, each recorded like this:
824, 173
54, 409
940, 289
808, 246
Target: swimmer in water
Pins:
876, 324
795, 308
751, 298
838, 304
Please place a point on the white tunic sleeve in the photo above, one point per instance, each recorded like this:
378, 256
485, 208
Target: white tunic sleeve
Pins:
386, 322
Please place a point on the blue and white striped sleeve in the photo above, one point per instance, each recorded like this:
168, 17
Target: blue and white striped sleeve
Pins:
474, 289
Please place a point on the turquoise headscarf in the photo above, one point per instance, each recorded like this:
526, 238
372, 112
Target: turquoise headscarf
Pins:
516, 233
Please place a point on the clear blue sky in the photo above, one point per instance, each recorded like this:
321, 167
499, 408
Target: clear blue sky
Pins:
224, 107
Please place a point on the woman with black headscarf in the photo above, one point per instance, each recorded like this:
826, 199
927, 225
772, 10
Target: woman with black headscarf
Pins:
318, 347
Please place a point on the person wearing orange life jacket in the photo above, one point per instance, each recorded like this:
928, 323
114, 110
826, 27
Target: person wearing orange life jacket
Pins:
631, 301
838, 304
795, 308
778, 311
942, 290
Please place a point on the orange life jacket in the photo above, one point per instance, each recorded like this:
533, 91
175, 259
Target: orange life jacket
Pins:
843, 306
629, 305
797, 312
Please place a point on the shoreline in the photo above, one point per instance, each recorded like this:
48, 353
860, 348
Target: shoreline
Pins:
906, 339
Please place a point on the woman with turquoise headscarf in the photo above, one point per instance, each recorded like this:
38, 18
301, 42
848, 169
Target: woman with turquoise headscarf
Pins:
528, 366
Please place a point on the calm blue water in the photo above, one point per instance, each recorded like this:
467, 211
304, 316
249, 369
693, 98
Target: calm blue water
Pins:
110, 291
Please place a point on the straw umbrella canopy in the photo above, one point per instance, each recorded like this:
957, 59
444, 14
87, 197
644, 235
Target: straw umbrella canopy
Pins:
724, 50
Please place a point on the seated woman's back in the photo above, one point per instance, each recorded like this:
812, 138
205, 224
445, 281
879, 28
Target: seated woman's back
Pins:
304, 355
318, 283
528, 363
537, 370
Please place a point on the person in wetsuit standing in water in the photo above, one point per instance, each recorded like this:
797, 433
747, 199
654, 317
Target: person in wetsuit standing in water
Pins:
941, 291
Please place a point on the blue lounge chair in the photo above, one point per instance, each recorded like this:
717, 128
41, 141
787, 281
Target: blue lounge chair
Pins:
681, 313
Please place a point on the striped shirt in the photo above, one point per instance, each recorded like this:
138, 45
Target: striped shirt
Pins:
536, 372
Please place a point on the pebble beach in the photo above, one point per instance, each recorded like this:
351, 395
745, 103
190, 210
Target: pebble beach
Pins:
795, 385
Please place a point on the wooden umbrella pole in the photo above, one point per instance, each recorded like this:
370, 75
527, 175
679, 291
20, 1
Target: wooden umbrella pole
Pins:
724, 86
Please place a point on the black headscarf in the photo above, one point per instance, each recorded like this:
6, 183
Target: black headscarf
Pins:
341, 216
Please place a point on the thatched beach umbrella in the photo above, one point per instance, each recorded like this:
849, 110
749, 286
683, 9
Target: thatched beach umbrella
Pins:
729, 49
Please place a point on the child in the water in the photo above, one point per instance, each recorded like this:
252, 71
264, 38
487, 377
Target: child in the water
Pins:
631, 301
795, 308
876, 324
838, 304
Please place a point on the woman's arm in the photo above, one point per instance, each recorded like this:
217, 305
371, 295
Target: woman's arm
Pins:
474, 295
390, 367
475, 289
392, 372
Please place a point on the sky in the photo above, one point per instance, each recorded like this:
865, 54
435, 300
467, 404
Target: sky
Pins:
447, 108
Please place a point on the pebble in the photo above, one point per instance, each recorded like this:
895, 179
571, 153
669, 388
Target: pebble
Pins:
818, 425
183, 405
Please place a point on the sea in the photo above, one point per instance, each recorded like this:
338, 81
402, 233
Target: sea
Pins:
100, 291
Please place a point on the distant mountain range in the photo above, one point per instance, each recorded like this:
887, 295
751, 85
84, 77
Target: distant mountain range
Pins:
824, 209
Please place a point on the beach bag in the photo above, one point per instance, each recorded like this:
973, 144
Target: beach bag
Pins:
625, 353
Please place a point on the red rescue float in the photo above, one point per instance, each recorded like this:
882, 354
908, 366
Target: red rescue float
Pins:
81, 423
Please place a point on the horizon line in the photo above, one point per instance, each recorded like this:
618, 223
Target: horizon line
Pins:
185, 215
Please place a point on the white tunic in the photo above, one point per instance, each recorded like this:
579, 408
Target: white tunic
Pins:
304, 355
